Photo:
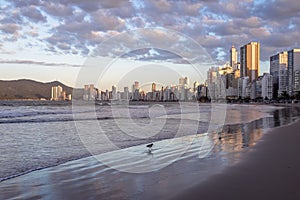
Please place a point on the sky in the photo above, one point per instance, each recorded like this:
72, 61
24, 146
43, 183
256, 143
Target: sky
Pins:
54, 40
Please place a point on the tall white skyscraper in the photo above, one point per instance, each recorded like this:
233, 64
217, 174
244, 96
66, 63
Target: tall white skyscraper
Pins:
233, 58
56, 93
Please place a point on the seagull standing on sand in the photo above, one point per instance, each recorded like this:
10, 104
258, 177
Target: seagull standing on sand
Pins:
149, 146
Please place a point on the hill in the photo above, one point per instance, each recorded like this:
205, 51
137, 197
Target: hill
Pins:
29, 89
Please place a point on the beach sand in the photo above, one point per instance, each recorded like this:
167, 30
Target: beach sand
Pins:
270, 170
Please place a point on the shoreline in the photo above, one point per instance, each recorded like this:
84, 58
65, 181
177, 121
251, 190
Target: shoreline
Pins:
88, 154
270, 170
83, 174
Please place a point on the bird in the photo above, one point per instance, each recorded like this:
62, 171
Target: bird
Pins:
149, 146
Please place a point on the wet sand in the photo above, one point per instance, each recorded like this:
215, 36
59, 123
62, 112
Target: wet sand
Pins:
271, 170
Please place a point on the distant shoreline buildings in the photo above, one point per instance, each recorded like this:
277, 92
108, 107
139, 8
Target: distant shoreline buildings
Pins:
237, 80
180, 92
58, 94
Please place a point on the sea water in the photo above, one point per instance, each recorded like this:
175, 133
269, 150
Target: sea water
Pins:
37, 135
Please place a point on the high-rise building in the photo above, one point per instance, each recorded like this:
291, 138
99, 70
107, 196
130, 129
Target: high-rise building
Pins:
201, 91
63, 95
135, 86
212, 76
233, 58
56, 93
256, 90
278, 69
182, 88
186, 81
243, 82
250, 60
183, 81
162, 93
153, 87
126, 93
86, 92
267, 86
89, 92
92, 92
195, 88
114, 92
294, 72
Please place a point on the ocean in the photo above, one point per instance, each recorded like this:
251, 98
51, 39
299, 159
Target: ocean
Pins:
57, 136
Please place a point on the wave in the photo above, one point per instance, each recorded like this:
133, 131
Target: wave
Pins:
14, 114
29, 114
38, 120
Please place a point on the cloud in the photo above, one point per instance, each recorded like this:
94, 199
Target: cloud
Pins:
278, 9
33, 14
3, 51
9, 28
104, 21
57, 9
77, 27
231, 8
30, 62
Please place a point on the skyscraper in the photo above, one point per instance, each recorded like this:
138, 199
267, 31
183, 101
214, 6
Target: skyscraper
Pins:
135, 90
92, 92
181, 81
233, 58
114, 92
56, 93
126, 93
212, 76
196, 84
89, 93
184, 81
278, 69
250, 60
267, 86
153, 88
294, 72
135, 86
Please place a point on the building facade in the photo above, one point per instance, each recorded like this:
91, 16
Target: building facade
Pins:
294, 72
250, 60
233, 58
278, 69
242, 87
56, 93
267, 86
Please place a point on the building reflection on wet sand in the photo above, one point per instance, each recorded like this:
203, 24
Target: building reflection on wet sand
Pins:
239, 136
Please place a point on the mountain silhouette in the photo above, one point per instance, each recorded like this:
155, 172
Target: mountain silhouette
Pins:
29, 89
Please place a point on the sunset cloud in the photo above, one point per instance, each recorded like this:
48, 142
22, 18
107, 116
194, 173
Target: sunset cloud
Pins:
78, 27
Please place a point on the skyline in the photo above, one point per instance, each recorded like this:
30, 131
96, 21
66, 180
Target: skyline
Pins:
48, 41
